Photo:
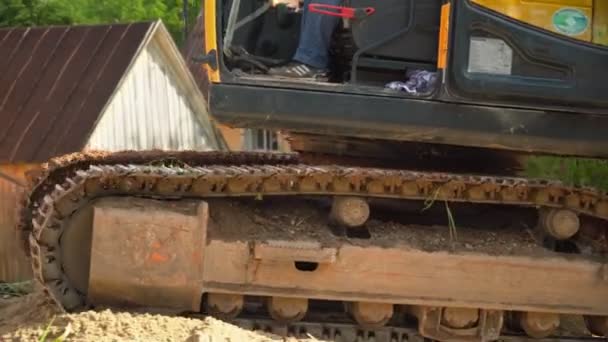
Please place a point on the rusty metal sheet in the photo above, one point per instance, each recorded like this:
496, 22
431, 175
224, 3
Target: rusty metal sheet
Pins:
148, 253
3, 34
13, 38
54, 82
282, 250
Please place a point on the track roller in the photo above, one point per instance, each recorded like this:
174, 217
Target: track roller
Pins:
597, 325
371, 315
459, 318
561, 224
536, 324
349, 211
287, 310
457, 324
225, 306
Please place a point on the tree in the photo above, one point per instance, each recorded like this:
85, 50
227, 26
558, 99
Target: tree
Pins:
53, 12
32, 13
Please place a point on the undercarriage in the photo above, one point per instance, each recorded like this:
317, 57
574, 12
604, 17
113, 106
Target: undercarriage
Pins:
339, 252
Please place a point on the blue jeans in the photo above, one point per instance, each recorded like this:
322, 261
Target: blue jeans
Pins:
315, 35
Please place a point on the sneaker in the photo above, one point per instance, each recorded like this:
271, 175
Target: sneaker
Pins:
298, 70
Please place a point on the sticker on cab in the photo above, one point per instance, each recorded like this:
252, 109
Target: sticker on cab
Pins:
570, 21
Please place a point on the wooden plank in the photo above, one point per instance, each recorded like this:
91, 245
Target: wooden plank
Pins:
14, 265
408, 276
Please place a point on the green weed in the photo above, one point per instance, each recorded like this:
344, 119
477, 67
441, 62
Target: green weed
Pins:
47, 330
428, 203
451, 223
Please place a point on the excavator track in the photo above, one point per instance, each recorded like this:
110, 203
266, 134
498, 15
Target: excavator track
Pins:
344, 332
59, 169
69, 183
324, 327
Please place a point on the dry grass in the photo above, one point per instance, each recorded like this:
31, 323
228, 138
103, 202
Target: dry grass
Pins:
430, 201
8, 290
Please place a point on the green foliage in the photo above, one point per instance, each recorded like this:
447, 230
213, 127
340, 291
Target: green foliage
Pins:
32, 12
58, 12
572, 171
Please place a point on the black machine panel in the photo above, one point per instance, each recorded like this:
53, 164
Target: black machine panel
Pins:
496, 58
399, 29
273, 35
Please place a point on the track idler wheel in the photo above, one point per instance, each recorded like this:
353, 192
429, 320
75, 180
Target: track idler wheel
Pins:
348, 211
560, 224
597, 325
371, 315
536, 324
225, 306
287, 310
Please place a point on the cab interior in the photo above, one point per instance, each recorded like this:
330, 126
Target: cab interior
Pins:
367, 52
498, 54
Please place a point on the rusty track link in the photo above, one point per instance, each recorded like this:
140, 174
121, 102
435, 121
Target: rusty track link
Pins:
57, 170
70, 183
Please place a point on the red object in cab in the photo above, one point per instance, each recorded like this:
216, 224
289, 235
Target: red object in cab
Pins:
342, 12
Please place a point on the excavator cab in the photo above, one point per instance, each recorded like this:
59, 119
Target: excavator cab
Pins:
511, 75
502, 52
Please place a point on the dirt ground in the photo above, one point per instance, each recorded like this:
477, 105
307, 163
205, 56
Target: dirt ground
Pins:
26, 319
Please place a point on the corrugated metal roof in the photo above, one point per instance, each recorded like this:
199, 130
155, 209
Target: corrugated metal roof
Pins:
55, 81
194, 47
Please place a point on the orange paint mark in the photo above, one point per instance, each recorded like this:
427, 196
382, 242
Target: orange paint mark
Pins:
157, 257
196, 257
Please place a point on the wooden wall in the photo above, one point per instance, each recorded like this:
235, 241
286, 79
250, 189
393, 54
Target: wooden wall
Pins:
14, 266
233, 137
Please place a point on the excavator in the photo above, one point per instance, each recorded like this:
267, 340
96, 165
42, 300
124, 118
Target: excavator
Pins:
401, 214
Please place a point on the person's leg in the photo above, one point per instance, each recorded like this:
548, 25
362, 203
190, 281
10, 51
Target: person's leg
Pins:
312, 56
315, 36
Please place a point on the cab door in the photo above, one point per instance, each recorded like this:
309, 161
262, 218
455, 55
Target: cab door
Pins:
527, 53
